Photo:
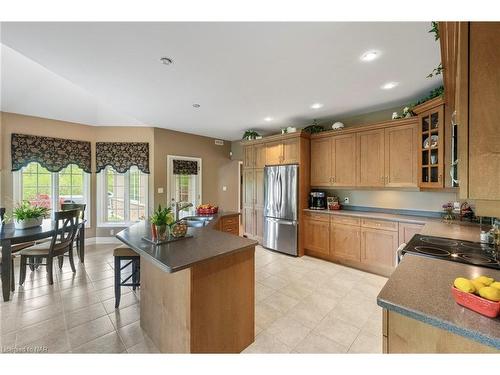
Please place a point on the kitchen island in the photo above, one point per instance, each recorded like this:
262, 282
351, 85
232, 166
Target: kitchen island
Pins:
421, 316
197, 294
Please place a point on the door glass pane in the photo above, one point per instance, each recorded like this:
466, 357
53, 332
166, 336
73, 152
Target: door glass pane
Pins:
36, 183
138, 194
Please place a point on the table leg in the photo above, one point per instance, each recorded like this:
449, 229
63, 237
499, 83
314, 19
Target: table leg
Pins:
6, 265
82, 244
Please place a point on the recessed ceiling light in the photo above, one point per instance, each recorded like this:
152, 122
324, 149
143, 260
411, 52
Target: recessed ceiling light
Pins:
389, 85
370, 55
196, 105
316, 105
166, 60
268, 119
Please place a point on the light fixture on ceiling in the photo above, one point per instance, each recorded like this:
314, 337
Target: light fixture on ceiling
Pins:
316, 106
196, 105
268, 119
370, 55
389, 85
166, 60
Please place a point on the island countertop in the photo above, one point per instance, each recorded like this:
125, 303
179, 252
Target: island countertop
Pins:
206, 243
420, 287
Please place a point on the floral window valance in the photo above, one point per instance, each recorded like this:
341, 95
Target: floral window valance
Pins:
54, 154
185, 167
122, 156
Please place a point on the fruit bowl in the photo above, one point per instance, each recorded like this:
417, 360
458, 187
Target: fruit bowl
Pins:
207, 210
476, 303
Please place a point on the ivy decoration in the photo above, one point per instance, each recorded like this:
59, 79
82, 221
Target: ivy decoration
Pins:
314, 128
250, 134
435, 30
436, 71
434, 93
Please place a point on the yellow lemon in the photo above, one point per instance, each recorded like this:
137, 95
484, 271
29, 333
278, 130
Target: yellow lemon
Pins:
495, 284
477, 285
486, 280
465, 285
488, 292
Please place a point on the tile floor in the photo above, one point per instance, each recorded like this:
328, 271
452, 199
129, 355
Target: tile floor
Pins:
303, 305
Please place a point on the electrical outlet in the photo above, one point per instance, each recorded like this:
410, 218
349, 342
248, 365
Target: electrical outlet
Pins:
346, 200
224, 188
160, 190
112, 232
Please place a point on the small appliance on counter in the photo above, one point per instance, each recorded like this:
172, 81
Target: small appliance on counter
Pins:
333, 203
317, 200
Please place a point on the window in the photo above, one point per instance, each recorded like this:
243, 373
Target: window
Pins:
184, 187
123, 196
40, 187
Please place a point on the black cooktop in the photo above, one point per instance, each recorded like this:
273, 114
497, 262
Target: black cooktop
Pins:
467, 252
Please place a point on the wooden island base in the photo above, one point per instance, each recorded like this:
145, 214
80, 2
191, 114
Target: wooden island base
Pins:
207, 308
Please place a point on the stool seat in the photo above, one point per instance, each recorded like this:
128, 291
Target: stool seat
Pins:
124, 251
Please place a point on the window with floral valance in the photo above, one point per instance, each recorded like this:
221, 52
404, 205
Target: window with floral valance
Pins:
185, 167
122, 156
53, 154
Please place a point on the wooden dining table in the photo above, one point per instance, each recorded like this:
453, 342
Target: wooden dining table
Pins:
9, 236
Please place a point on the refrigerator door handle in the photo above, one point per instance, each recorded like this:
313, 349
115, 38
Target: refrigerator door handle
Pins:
283, 222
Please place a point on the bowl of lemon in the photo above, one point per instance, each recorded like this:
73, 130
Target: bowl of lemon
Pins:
481, 294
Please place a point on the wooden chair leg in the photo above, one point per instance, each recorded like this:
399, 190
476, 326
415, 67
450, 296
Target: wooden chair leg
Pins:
32, 264
60, 261
117, 282
134, 274
12, 278
71, 261
50, 269
22, 271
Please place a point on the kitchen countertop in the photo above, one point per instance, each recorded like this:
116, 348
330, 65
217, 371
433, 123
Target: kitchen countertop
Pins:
420, 289
459, 230
206, 243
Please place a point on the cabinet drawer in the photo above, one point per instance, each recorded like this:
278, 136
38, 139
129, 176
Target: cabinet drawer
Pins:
347, 220
317, 217
231, 228
379, 224
230, 220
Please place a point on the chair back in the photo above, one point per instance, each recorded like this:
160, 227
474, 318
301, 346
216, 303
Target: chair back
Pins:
74, 206
65, 231
2, 214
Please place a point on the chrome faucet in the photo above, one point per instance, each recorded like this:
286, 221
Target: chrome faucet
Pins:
178, 207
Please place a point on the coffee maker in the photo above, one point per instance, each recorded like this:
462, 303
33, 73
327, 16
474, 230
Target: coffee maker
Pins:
317, 200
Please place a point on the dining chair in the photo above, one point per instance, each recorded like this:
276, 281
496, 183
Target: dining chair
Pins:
66, 226
2, 214
81, 207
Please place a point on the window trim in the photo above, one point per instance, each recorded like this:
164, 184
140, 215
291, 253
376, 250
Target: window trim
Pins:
102, 200
54, 191
170, 159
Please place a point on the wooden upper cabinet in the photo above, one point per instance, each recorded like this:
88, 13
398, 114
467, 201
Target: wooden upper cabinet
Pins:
274, 153
321, 162
249, 156
290, 150
344, 160
378, 247
345, 242
371, 158
260, 155
401, 156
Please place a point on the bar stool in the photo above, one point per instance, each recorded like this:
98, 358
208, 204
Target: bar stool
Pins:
127, 254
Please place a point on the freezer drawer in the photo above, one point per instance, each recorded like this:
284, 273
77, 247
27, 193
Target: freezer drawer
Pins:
280, 235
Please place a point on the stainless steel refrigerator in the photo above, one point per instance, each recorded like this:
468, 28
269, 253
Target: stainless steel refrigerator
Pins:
280, 208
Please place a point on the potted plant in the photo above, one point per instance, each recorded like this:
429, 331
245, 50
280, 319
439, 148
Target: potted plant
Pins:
250, 134
27, 216
161, 219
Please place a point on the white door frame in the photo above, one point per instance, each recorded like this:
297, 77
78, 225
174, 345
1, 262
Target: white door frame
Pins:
170, 158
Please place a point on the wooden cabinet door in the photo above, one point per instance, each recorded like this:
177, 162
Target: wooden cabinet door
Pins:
407, 231
401, 156
317, 236
371, 159
344, 160
259, 188
260, 155
259, 224
345, 242
321, 162
248, 216
274, 153
248, 156
290, 151
378, 247
431, 159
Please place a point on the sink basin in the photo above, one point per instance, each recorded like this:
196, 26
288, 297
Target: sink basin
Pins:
197, 221
203, 218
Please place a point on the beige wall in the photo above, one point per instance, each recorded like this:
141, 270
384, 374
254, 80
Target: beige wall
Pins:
217, 168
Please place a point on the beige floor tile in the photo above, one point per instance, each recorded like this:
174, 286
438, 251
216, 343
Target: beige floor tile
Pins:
374, 324
367, 343
145, 346
84, 315
280, 302
266, 343
274, 282
7, 342
288, 330
296, 290
122, 317
126, 300
39, 315
337, 330
78, 302
109, 343
132, 334
35, 332
265, 314
312, 310
354, 314
315, 343
262, 291
104, 283
89, 331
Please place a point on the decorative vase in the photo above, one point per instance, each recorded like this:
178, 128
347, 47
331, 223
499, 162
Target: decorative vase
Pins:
179, 229
154, 233
448, 216
28, 223
162, 231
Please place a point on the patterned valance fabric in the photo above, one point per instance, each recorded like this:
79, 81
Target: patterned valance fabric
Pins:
122, 156
54, 154
185, 167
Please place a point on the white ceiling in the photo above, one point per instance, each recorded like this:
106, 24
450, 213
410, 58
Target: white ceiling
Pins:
240, 73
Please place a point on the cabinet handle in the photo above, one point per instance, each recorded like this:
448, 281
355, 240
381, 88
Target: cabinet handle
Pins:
439, 177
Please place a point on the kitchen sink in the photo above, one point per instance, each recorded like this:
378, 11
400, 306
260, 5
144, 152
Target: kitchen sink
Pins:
197, 221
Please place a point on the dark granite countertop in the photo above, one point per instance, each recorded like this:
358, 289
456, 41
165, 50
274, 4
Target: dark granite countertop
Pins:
420, 289
205, 244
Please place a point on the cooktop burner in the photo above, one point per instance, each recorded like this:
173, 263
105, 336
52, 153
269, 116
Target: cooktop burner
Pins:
439, 241
429, 250
467, 252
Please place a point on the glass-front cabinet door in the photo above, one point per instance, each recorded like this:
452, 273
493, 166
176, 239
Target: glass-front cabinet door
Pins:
431, 154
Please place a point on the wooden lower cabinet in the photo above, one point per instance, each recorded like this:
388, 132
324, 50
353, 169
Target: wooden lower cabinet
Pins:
378, 247
345, 242
317, 235
407, 231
